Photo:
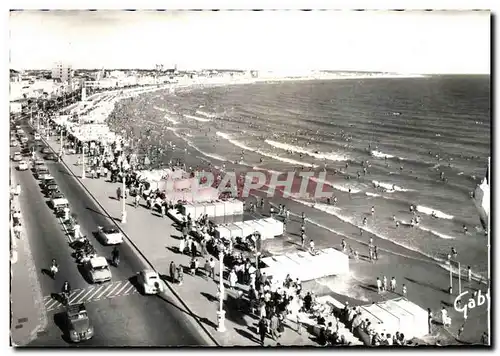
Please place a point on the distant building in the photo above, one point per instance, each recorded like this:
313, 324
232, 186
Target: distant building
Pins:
62, 72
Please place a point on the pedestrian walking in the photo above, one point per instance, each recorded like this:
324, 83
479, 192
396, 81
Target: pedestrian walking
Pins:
302, 239
212, 268
172, 270
182, 246
384, 284
180, 275
469, 274
379, 285
404, 290
375, 253
262, 330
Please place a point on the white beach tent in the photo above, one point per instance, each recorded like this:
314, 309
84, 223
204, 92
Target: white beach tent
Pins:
397, 315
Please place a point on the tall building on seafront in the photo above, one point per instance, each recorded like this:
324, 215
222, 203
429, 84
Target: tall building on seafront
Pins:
62, 71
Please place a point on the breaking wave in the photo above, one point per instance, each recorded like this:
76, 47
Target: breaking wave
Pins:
389, 188
429, 211
319, 155
200, 119
206, 114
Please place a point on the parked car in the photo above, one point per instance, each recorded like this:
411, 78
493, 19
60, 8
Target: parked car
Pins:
78, 323
23, 166
17, 157
58, 201
109, 235
51, 157
38, 137
49, 188
46, 150
150, 282
13, 142
97, 269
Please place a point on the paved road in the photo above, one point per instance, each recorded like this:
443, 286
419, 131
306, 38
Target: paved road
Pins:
120, 315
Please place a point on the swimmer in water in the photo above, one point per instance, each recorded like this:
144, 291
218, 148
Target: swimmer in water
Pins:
365, 221
465, 229
434, 214
373, 210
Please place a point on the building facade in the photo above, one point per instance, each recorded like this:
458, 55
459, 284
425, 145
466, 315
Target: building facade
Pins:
62, 71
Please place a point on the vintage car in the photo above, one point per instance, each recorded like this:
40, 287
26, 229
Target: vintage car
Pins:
58, 201
150, 282
78, 323
39, 162
23, 139
46, 150
37, 136
97, 269
17, 157
109, 235
50, 157
23, 166
41, 170
19, 132
13, 142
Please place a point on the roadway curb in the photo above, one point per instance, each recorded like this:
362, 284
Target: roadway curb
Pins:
200, 324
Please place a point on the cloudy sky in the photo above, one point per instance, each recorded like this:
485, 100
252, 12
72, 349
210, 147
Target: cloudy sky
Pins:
407, 42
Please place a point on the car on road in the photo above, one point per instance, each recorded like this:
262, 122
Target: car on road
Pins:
150, 282
46, 150
39, 162
23, 166
97, 269
78, 323
13, 142
17, 157
58, 201
19, 131
23, 139
49, 188
109, 235
37, 137
50, 157
41, 170
46, 180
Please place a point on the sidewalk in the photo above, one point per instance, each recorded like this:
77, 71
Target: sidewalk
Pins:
158, 240
27, 311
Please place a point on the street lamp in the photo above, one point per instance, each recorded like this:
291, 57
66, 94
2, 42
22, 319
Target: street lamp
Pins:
221, 313
83, 162
61, 143
124, 212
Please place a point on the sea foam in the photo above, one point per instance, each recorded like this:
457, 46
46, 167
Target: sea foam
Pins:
200, 119
319, 155
428, 211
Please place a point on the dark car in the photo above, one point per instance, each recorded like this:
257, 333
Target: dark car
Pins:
48, 182
51, 188
50, 157
78, 323
46, 150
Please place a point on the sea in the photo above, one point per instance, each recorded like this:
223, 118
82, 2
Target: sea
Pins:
383, 143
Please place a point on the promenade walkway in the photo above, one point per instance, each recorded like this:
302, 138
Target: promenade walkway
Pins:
158, 240
27, 311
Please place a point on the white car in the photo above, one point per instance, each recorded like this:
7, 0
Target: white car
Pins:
109, 235
17, 157
14, 143
38, 137
97, 269
23, 166
150, 282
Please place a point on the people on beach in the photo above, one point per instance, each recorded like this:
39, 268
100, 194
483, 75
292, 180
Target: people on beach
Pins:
379, 286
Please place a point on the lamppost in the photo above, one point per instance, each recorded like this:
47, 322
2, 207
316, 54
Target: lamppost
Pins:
61, 144
124, 212
451, 276
221, 314
83, 162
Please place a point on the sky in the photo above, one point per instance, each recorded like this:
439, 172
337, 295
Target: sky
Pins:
437, 42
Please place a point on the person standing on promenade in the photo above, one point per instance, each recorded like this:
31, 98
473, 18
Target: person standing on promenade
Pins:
172, 270
344, 245
375, 253
379, 285
429, 320
137, 199
393, 284
384, 284
262, 330
302, 239
469, 274
404, 291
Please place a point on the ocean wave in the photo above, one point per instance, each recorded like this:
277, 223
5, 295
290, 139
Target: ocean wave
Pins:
319, 155
335, 211
210, 155
158, 108
343, 188
200, 119
389, 188
169, 119
372, 194
278, 158
206, 114
428, 211
438, 234
380, 154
